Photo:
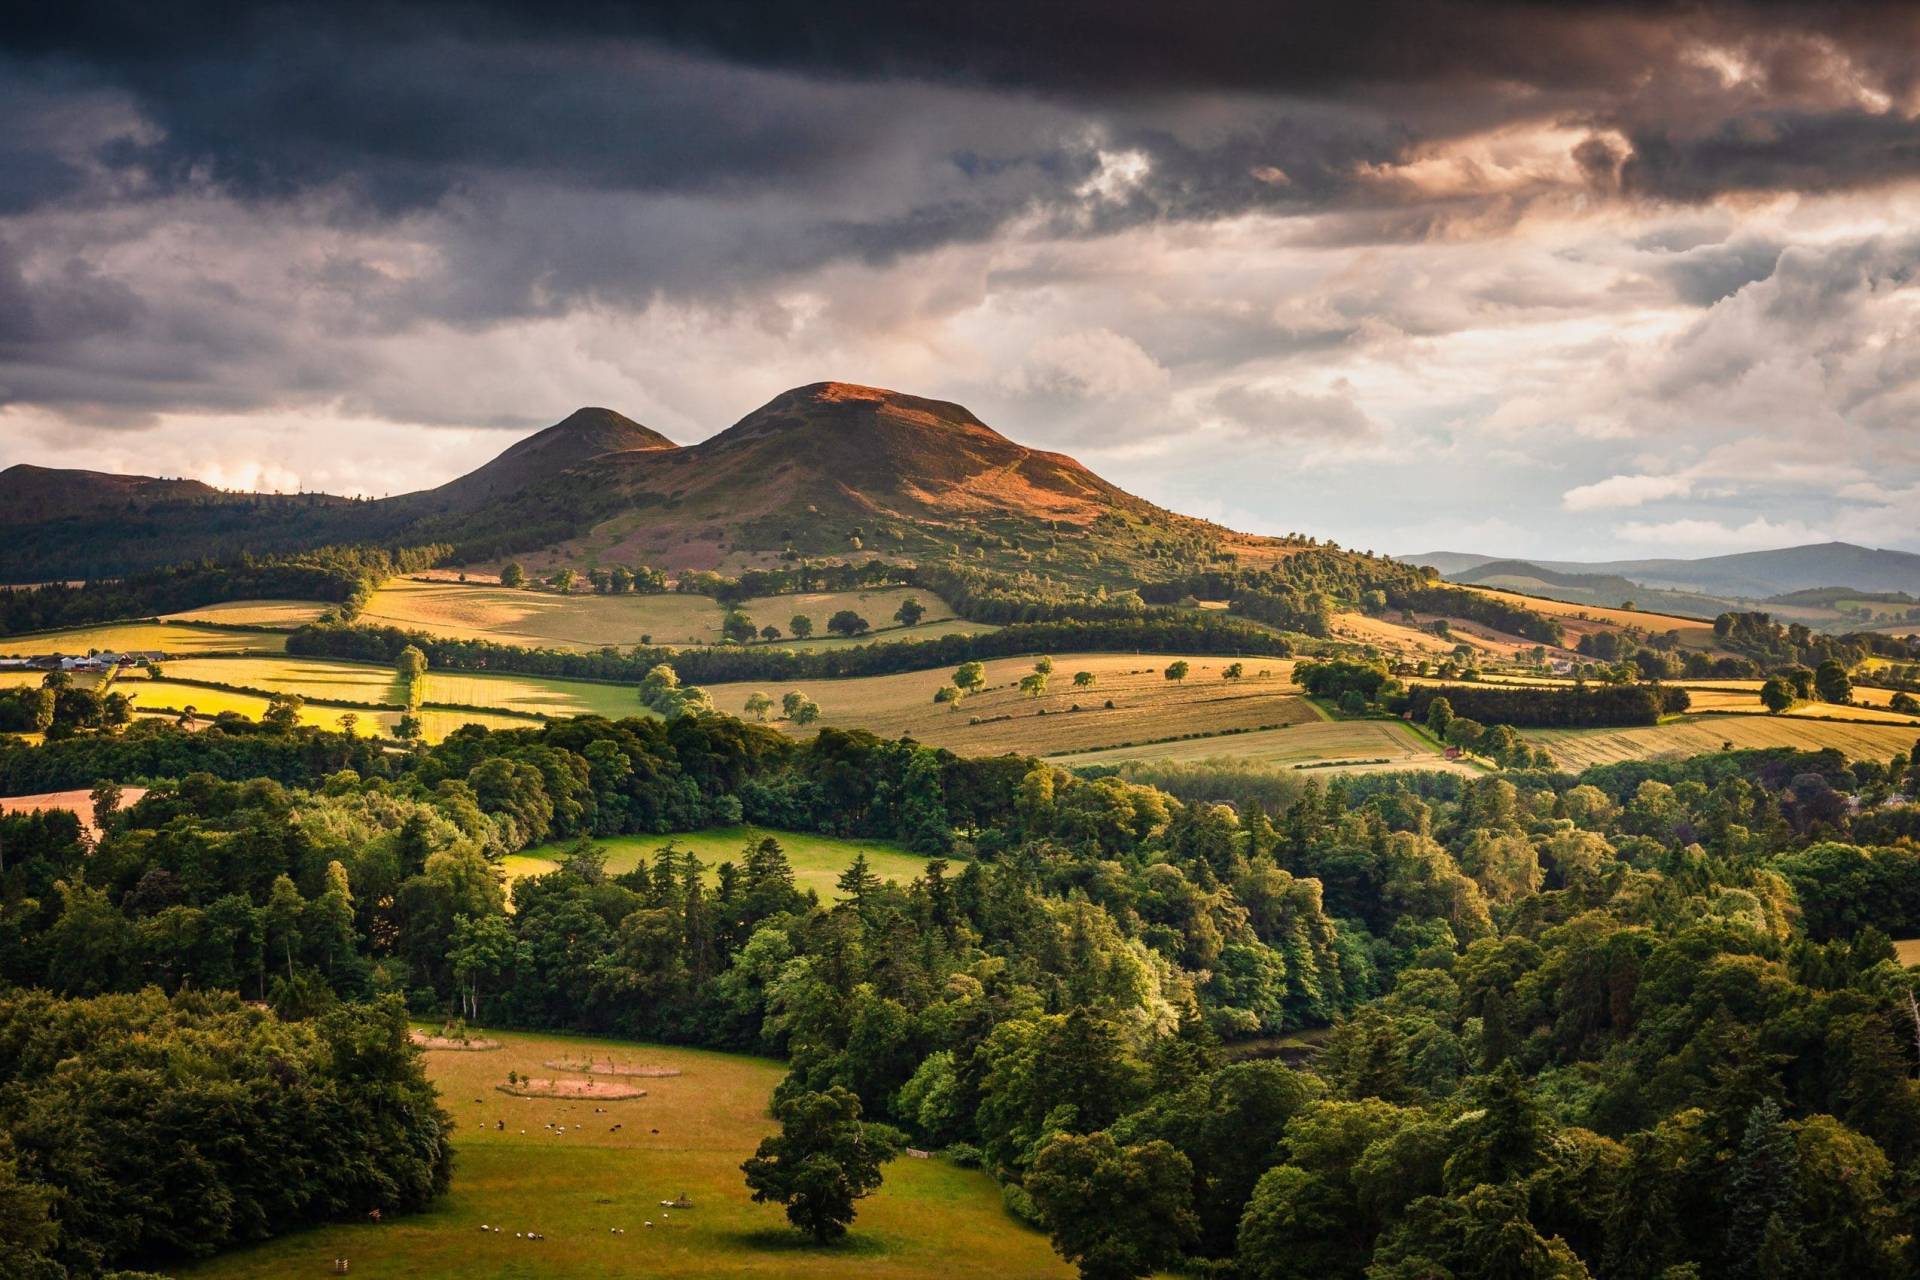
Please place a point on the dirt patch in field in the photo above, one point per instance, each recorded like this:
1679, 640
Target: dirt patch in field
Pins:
472, 1044
598, 1090
609, 1067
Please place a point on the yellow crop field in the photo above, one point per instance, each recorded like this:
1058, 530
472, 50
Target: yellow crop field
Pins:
162, 637
168, 698
1001, 718
1343, 746
279, 615
1579, 748
314, 678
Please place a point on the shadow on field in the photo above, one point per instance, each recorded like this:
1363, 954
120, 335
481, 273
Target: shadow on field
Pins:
778, 1240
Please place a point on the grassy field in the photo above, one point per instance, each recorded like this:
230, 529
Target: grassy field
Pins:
1907, 950
1146, 704
688, 1135
1347, 746
817, 860
1696, 735
141, 636
532, 695
281, 615
542, 619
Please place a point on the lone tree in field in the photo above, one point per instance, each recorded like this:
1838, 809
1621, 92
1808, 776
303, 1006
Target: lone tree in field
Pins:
408, 728
1034, 683
949, 694
411, 667
769, 633
1083, 679
848, 623
968, 677
799, 708
910, 612
1177, 671
737, 627
1776, 695
1233, 671
821, 1162
800, 625
1044, 666
758, 705
512, 575
1116, 1212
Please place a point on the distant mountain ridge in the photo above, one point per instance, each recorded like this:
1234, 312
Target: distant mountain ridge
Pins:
1746, 575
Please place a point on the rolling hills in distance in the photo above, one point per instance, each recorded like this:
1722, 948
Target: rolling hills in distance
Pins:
1804, 583
830, 469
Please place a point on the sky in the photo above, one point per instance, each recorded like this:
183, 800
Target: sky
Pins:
1562, 281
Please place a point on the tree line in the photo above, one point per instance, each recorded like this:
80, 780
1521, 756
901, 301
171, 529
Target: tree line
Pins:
1174, 632
1640, 1023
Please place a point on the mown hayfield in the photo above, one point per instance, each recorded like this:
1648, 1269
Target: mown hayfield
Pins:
575, 1185
120, 637
1146, 704
1907, 950
1697, 735
541, 619
817, 860
1346, 746
276, 615
1743, 697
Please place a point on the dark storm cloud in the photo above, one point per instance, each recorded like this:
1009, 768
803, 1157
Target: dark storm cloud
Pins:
540, 158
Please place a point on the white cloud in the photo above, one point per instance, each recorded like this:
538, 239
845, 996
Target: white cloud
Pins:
1624, 491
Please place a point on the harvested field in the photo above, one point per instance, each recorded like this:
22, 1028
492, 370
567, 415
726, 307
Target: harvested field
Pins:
1001, 719
143, 637
277, 615
1576, 749
544, 619
1347, 746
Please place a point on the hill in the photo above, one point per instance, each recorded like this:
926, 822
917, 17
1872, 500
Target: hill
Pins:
1608, 590
828, 470
31, 495
580, 437
1744, 575
831, 470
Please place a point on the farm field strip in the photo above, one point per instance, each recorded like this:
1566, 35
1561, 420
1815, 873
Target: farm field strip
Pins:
524, 697
543, 619
1576, 749
1147, 705
817, 860
170, 638
277, 615
1336, 745
167, 698
556, 1166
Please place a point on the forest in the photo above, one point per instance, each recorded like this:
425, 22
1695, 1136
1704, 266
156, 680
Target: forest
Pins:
1645, 1022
